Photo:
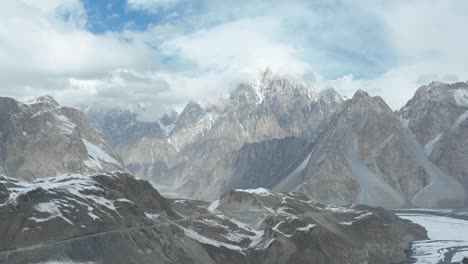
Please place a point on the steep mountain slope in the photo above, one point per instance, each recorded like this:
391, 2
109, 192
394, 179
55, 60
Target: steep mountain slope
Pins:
40, 138
438, 117
114, 218
255, 165
122, 126
104, 218
366, 155
272, 108
281, 134
185, 156
144, 147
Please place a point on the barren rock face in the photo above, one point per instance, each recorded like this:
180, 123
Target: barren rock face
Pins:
281, 134
270, 109
366, 155
192, 154
143, 146
360, 157
438, 117
40, 138
255, 165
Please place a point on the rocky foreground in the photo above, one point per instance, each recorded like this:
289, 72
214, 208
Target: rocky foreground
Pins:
115, 218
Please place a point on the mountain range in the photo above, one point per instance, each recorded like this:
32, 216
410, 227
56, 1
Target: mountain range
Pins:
275, 173
284, 135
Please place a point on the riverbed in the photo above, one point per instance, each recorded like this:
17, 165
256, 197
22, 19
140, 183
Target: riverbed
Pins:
447, 232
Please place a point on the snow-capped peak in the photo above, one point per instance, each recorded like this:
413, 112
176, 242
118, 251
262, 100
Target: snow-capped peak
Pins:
40, 99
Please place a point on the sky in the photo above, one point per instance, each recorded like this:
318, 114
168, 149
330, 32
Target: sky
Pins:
163, 53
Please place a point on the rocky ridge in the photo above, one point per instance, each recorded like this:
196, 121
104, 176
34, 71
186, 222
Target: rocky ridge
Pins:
115, 218
40, 138
282, 134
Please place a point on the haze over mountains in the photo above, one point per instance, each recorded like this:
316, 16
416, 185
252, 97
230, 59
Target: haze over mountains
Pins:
284, 135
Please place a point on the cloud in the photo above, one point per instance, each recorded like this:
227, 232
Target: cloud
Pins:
429, 43
243, 46
151, 6
205, 48
46, 43
42, 47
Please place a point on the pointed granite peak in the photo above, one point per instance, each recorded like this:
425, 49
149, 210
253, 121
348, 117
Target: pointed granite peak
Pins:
267, 75
193, 105
330, 95
192, 111
360, 94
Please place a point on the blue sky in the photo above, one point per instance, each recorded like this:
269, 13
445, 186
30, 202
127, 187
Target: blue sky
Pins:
164, 53
106, 16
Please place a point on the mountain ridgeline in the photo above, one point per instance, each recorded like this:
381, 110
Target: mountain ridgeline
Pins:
283, 135
272, 174
39, 138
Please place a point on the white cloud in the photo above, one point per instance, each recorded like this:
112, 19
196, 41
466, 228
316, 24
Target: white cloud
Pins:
242, 46
42, 47
429, 41
46, 48
151, 6
43, 43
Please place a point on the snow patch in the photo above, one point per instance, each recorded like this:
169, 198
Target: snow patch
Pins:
276, 229
65, 126
152, 216
461, 97
65, 262
213, 206
306, 228
51, 209
97, 155
258, 191
430, 145
74, 185
205, 240
460, 119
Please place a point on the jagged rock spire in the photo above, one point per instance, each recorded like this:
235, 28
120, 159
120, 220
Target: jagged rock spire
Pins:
267, 75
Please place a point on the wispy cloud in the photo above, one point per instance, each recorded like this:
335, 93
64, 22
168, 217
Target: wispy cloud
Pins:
193, 50
151, 6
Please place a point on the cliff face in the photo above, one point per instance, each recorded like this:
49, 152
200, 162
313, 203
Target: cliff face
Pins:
282, 134
438, 117
271, 109
368, 154
39, 138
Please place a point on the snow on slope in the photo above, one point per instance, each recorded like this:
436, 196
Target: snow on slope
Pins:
461, 97
75, 185
97, 155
